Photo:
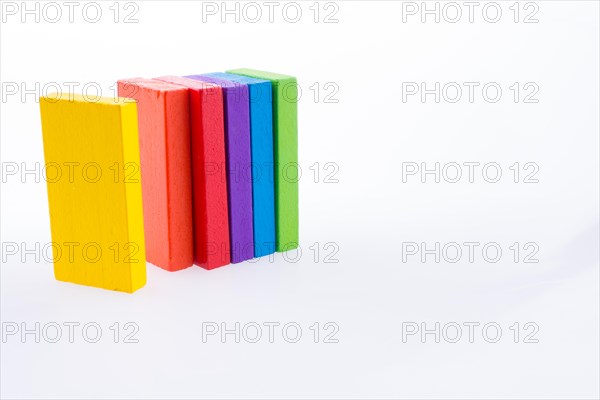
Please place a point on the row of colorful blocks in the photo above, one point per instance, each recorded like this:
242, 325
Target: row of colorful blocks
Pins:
177, 171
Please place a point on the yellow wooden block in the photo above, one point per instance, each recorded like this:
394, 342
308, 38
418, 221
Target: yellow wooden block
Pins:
94, 191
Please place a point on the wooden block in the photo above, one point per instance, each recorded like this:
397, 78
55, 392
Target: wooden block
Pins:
285, 131
95, 202
239, 175
261, 140
164, 129
209, 179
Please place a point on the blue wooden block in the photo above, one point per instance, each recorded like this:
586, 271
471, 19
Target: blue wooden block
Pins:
261, 134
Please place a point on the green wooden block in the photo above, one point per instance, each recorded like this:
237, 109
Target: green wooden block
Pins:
285, 140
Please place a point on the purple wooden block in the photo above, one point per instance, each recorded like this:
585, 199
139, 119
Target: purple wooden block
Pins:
239, 169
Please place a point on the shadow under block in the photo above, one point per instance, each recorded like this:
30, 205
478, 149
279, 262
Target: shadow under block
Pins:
261, 140
285, 131
164, 131
209, 180
96, 213
239, 175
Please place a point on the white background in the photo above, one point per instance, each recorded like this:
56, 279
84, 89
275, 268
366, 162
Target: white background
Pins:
370, 294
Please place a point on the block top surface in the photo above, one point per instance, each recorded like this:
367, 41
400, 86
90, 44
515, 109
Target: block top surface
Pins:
224, 83
237, 78
272, 76
152, 84
189, 83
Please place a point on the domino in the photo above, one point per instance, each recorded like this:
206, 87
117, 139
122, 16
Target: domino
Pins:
285, 131
239, 175
209, 180
94, 191
261, 141
165, 155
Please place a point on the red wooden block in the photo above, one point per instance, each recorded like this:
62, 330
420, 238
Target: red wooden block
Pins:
164, 134
211, 223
